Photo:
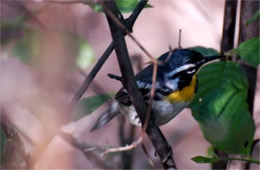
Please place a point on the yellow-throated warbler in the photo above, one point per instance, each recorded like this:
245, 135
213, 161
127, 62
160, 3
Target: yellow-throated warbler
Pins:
175, 87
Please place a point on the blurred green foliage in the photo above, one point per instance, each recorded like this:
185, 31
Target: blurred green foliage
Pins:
89, 104
12, 28
3, 143
85, 55
253, 18
125, 6
26, 46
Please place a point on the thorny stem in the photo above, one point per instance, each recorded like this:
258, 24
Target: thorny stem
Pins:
153, 60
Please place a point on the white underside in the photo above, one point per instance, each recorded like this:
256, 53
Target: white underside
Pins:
163, 112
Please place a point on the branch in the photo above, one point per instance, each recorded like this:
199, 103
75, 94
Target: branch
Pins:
91, 75
228, 35
248, 9
158, 140
129, 23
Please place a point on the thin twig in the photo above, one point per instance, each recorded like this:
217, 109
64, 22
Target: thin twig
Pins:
90, 149
179, 43
149, 108
124, 148
113, 76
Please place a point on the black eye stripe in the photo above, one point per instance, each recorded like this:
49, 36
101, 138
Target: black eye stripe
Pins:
190, 69
179, 74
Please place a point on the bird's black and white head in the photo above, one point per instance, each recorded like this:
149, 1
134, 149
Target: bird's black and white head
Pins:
182, 65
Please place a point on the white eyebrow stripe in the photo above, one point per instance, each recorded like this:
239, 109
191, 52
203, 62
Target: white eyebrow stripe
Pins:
187, 66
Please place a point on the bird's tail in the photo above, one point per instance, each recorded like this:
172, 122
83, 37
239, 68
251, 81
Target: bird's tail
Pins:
106, 116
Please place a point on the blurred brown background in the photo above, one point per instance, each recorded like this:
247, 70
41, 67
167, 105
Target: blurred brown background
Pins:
34, 95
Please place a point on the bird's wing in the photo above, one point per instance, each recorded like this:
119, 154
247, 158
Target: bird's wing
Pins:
106, 116
144, 83
122, 95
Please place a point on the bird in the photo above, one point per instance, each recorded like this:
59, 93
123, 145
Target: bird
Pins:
175, 87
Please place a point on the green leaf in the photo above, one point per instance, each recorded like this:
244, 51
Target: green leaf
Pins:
249, 51
211, 152
221, 109
253, 18
90, 104
202, 159
125, 6
3, 142
205, 51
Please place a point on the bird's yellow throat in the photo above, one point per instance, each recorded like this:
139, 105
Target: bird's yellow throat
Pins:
184, 95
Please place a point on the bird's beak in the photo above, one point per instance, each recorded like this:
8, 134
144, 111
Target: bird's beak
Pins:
211, 58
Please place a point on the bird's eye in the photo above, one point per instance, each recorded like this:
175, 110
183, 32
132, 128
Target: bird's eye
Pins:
191, 70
